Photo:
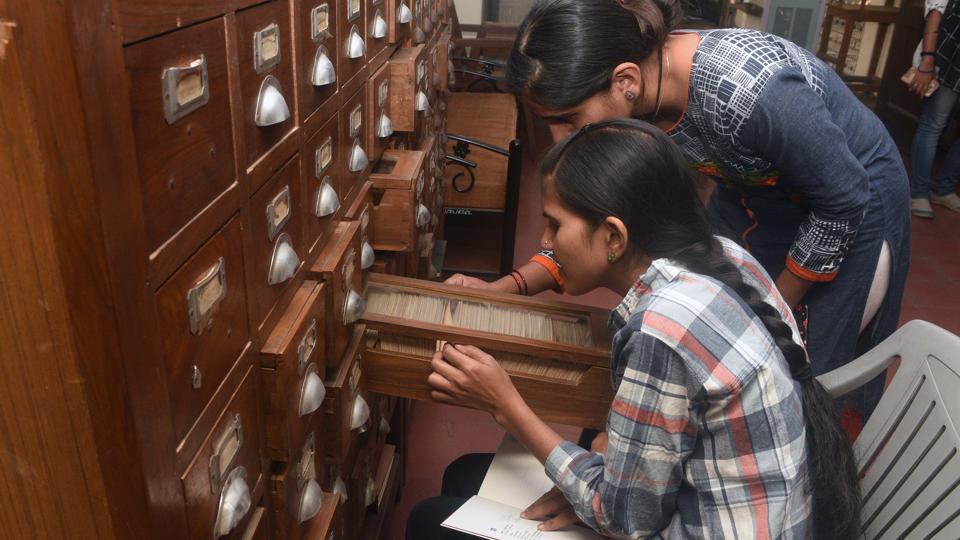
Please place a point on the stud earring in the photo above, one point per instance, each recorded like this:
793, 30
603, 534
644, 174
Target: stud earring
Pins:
611, 257
630, 95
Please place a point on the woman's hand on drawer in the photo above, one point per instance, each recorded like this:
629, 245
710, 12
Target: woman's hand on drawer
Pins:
465, 375
505, 284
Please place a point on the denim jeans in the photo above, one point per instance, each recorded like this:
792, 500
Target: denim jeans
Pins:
933, 119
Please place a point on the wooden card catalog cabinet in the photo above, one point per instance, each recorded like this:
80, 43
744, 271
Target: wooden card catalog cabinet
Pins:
379, 125
443, 63
276, 237
399, 20
399, 181
352, 28
297, 496
322, 157
293, 366
179, 97
224, 479
341, 266
318, 47
550, 349
346, 407
266, 80
408, 99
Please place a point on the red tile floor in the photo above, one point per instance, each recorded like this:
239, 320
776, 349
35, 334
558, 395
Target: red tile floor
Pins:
439, 434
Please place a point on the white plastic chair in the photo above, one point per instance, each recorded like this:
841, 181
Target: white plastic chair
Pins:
907, 453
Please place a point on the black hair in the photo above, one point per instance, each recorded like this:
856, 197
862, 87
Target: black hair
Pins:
566, 50
631, 170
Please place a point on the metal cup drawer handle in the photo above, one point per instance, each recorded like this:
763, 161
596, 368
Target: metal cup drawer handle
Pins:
320, 22
205, 296
384, 126
378, 29
367, 255
327, 201
360, 415
340, 488
308, 344
423, 215
226, 448
404, 16
271, 106
323, 71
278, 213
358, 158
422, 102
266, 48
185, 89
284, 262
353, 307
234, 503
355, 47
311, 496
312, 391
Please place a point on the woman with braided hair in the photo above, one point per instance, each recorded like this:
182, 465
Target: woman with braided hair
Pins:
718, 428
807, 178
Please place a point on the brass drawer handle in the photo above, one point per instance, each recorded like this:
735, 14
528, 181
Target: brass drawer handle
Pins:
185, 89
205, 295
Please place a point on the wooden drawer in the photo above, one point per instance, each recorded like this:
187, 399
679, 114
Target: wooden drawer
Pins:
227, 465
144, 18
362, 211
202, 313
352, 30
551, 349
323, 156
379, 124
406, 91
318, 48
293, 365
400, 169
296, 491
397, 190
340, 267
266, 77
378, 32
260, 526
346, 409
276, 239
421, 24
353, 141
181, 121
399, 20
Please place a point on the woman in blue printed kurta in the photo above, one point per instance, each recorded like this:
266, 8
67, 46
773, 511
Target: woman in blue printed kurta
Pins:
808, 179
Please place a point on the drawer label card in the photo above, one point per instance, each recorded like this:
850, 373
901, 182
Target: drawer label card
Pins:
348, 267
278, 213
320, 22
205, 295
306, 347
356, 120
185, 89
353, 9
225, 451
307, 467
324, 156
383, 93
266, 48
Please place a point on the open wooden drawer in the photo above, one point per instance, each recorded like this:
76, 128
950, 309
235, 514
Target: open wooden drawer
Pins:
557, 354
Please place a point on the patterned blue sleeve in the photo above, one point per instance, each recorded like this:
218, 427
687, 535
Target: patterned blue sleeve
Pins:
791, 127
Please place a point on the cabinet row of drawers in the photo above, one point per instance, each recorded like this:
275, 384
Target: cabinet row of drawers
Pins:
258, 130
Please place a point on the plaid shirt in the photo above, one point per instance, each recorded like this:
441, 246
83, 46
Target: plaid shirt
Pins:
706, 431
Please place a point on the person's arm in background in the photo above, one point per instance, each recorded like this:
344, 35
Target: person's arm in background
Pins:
926, 71
539, 274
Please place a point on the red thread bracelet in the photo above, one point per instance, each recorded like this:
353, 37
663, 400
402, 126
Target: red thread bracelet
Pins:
517, 281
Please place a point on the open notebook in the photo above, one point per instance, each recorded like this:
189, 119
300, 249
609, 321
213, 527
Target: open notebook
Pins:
514, 481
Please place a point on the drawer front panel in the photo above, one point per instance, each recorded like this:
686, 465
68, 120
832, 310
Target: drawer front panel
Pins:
227, 466
356, 159
340, 267
203, 319
347, 415
353, 43
276, 235
324, 191
266, 77
319, 49
379, 124
181, 120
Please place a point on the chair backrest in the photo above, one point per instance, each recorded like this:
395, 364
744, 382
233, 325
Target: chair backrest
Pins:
908, 451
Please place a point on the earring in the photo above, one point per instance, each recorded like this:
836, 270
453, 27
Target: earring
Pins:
630, 95
611, 257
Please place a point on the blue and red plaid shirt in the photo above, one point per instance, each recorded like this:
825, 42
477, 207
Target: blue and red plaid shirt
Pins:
706, 431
